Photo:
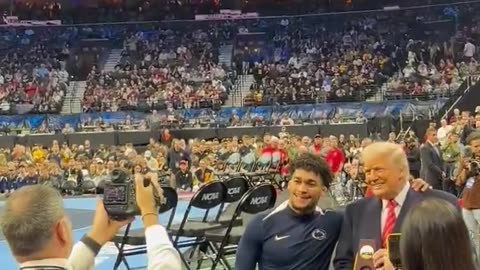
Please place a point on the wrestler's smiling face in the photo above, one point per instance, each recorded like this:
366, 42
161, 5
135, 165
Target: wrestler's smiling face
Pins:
305, 189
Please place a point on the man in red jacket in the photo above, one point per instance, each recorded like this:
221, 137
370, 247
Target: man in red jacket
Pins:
317, 145
335, 157
273, 148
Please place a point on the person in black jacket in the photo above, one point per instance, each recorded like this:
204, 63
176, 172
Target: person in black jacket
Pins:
413, 156
184, 177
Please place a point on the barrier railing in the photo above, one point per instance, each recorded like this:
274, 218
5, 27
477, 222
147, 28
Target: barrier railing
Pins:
259, 116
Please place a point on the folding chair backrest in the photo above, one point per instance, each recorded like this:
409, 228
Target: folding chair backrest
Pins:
263, 162
233, 161
258, 199
276, 158
236, 187
248, 162
168, 202
207, 197
69, 185
88, 185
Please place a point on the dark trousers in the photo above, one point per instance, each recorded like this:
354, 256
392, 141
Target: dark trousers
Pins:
448, 183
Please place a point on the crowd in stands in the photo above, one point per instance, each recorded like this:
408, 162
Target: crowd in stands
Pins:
33, 76
57, 163
308, 60
199, 159
163, 69
304, 60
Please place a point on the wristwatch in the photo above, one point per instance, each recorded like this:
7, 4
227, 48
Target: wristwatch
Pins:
91, 244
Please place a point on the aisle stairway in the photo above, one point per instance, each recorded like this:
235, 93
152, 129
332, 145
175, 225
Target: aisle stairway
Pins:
225, 55
240, 91
73, 100
113, 59
66, 107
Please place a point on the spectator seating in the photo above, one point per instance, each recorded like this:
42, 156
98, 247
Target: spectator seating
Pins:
162, 69
317, 59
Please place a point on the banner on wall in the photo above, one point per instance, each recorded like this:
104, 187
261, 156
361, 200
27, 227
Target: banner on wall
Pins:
15, 21
304, 113
227, 14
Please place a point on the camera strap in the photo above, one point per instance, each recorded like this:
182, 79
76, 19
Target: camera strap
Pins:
44, 267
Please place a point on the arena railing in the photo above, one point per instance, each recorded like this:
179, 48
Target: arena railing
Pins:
261, 115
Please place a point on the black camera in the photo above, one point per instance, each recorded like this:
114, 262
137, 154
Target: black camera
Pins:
119, 195
475, 167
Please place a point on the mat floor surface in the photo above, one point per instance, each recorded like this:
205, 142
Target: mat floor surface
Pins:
80, 211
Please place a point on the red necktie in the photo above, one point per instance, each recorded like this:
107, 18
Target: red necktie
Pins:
390, 221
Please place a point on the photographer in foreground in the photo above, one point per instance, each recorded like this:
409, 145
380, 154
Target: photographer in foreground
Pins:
469, 175
39, 233
161, 253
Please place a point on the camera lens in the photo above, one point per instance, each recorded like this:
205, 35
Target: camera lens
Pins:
117, 176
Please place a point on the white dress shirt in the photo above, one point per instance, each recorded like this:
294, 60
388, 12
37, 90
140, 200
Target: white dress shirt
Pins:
399, 199
442, 133
160, 252
81, 258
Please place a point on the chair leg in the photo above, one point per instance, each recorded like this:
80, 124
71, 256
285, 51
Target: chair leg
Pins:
220, 258
184, 261
120, 257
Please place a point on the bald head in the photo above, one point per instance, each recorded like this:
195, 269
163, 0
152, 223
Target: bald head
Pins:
29, 217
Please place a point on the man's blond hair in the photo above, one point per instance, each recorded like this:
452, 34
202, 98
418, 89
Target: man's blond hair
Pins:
388, 151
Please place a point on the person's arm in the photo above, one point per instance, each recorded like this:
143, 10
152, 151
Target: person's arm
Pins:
161, 253
250, 247
83, 256
344, 256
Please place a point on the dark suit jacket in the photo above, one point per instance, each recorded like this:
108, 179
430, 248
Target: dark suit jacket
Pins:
362, 221
432, 166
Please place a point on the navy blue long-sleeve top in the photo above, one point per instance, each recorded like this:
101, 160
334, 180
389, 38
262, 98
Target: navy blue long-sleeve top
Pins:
284, 240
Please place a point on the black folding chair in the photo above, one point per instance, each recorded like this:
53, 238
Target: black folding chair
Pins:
233, 161
88, 186
247, 164
136, 238
236, 188
256, 200
260, 169
208, 197
274, 174
69, 187
265, 170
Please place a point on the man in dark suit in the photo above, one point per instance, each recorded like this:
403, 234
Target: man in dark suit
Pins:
387, 173
431, 161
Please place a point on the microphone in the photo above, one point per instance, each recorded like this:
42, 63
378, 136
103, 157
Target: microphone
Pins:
364, 257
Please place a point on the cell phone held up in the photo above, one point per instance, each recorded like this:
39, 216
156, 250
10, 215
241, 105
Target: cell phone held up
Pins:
393, 249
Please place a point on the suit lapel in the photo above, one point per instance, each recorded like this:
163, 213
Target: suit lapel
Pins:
412, 198
435, 151
373, 229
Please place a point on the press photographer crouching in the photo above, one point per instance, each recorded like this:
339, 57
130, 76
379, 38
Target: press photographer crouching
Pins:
39, 233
